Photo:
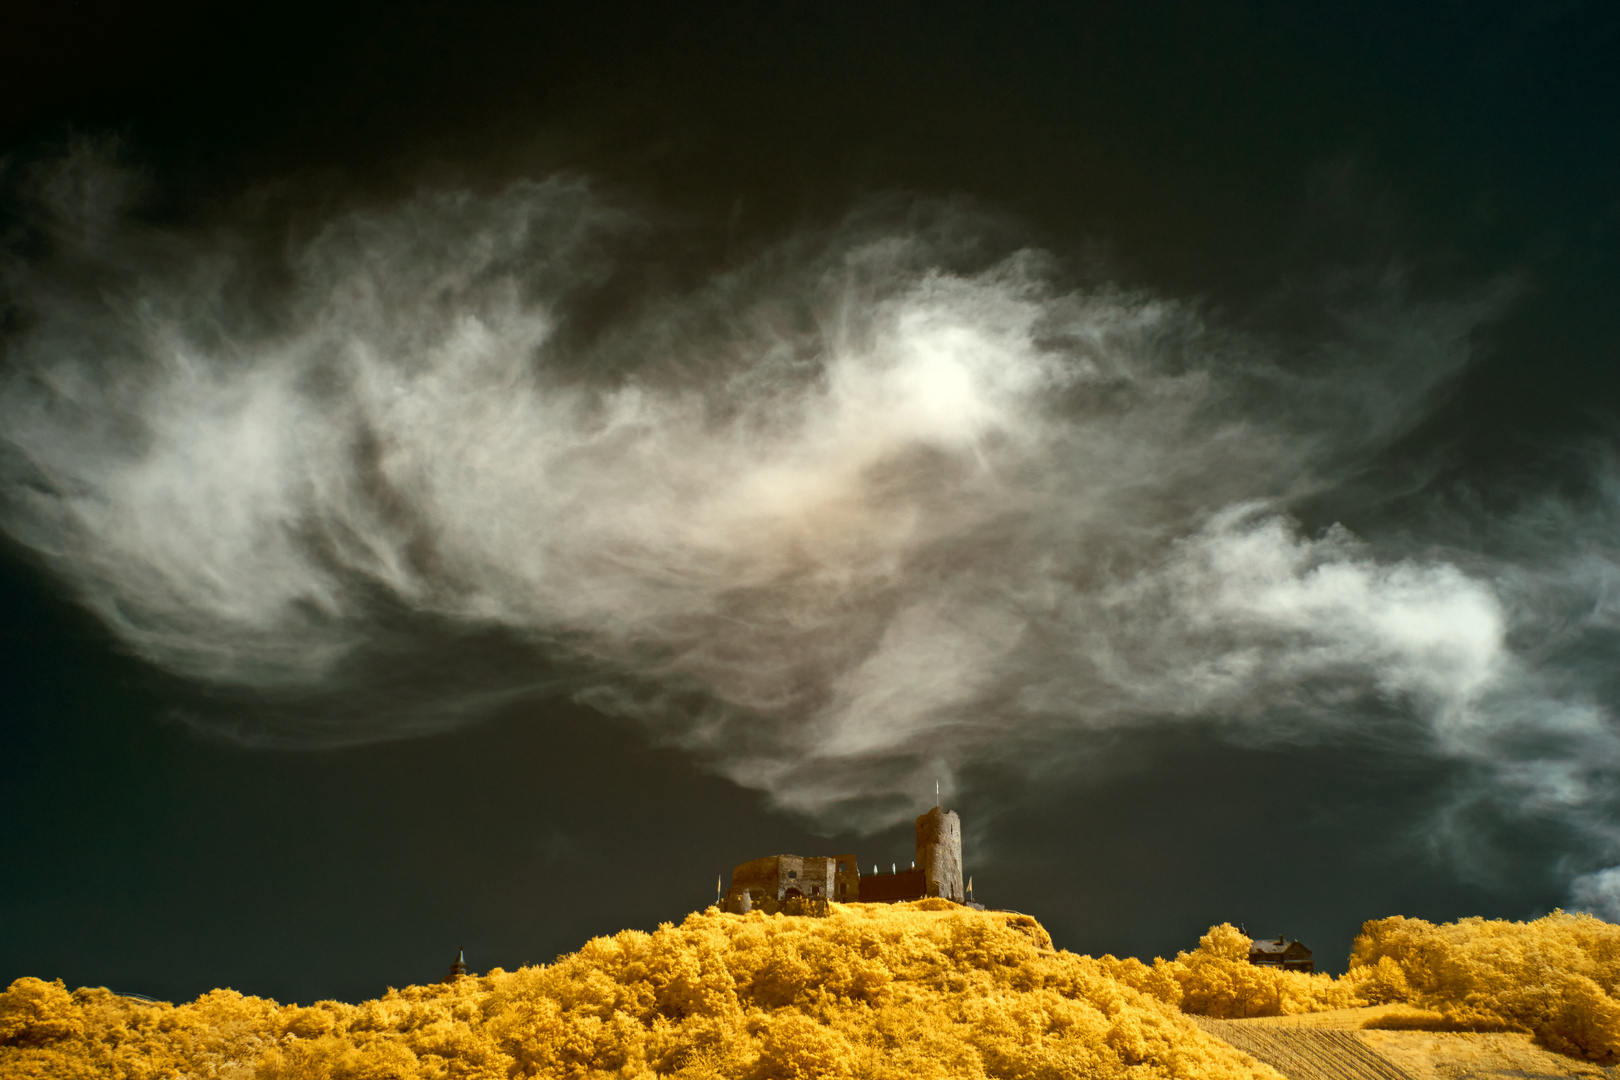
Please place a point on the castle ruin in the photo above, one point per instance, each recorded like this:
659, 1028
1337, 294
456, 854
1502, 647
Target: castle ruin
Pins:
775, 882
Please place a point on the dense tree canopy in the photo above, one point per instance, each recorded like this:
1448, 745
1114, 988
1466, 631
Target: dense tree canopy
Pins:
926, 989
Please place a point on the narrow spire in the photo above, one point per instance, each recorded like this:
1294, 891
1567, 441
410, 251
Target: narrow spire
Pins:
718, 891
936, 794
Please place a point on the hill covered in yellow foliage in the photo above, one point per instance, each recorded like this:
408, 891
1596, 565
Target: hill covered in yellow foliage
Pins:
926, 989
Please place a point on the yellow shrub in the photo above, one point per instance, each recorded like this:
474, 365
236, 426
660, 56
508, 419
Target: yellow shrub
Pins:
923, 991
1381, 983
34, 1012
1216, 979
1558, 977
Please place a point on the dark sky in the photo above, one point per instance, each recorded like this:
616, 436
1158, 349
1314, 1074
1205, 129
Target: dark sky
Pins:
306, 729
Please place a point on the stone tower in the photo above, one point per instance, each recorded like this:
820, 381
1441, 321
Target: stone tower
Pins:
939, 853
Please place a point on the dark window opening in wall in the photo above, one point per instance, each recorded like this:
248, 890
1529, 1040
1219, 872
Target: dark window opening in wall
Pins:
793, 874
840, 868
815, 890
842, 888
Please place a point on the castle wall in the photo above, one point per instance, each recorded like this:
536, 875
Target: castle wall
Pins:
892, 888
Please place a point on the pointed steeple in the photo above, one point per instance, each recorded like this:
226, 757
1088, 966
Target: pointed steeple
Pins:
459, 968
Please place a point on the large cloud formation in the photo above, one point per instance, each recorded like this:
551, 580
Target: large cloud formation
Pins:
868, 508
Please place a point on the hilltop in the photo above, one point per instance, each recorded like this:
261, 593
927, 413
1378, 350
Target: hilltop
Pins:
923, 989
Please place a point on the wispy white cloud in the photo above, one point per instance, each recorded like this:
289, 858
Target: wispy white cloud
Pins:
838, 522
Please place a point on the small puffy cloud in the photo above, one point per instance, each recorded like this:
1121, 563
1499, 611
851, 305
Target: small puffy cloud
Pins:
1598, 893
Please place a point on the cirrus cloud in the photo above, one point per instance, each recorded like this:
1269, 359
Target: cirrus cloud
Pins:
838, 521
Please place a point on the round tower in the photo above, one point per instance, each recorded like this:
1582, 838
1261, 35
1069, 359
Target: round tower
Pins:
939, 853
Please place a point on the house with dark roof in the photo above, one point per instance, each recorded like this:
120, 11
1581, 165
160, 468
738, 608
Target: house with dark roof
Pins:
1278, 952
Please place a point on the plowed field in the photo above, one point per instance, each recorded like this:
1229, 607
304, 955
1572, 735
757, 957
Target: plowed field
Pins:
1306, 1053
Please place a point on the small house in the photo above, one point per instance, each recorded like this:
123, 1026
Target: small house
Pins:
1278, 952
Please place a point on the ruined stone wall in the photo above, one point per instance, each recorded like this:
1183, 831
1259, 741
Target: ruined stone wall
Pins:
774, 878
846, 879
790, 875
816, 878
939, 854
758, 878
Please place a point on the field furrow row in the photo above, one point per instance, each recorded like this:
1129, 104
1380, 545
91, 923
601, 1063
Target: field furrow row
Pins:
1306, 1054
